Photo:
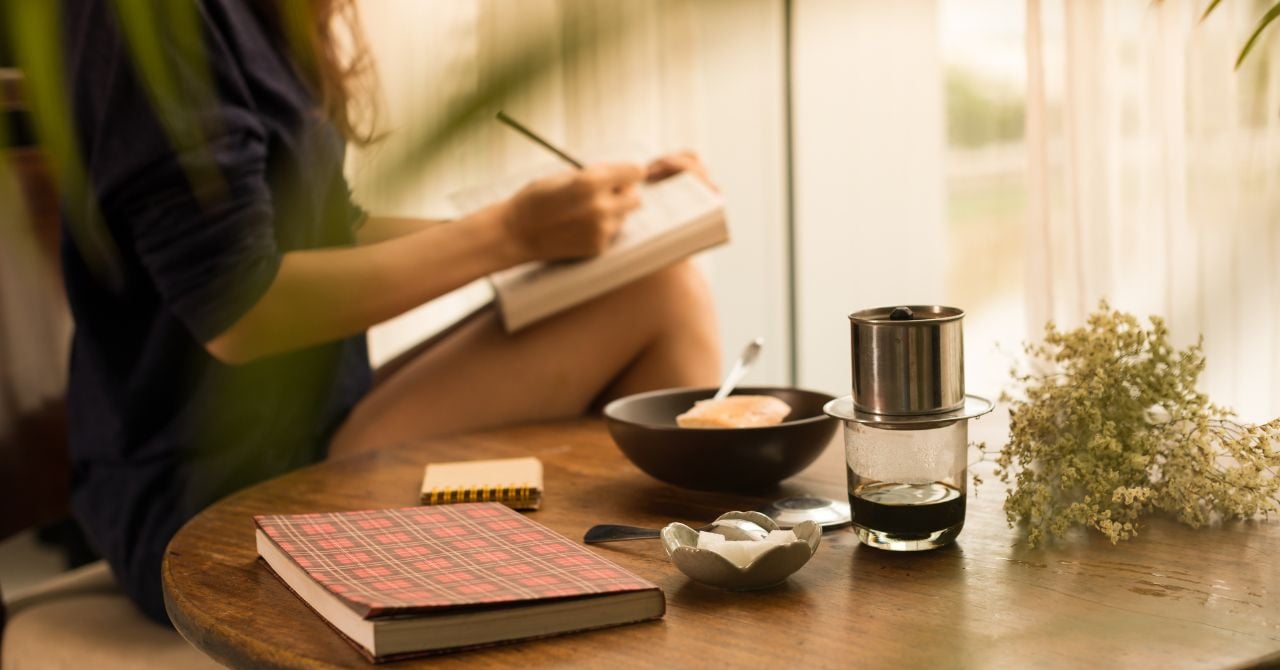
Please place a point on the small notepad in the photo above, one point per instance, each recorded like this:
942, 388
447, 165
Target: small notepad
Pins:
514, 482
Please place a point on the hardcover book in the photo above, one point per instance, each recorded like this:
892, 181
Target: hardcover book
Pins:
417, 580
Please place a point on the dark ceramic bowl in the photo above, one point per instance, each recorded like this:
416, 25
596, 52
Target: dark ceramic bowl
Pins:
719, 459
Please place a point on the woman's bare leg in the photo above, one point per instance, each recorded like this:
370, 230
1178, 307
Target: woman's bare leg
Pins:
657, 332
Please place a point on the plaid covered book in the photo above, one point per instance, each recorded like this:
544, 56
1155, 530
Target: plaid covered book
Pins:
397, 582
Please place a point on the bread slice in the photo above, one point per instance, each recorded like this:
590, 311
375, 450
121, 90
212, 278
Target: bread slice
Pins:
735, 411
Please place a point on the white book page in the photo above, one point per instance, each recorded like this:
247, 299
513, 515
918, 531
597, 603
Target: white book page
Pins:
676, 217
670, 202
663, 205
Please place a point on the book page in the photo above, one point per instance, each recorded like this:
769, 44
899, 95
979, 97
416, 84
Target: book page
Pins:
677, 217
667, 203
663, 205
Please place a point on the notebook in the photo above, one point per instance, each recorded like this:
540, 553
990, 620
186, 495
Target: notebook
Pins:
678, 216
515, 482
420, 580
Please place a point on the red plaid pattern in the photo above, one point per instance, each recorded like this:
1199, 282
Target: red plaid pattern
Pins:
397, 561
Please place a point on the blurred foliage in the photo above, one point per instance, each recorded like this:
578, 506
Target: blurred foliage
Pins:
981, 112
178, 84
35, 39
177, 87
1267, 18
6, 53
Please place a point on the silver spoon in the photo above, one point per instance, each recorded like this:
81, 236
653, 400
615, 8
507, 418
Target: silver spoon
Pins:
740, 368
731, 529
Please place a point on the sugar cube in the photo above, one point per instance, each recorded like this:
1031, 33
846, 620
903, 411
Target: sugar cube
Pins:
753, 549
706, 540
739, 552
781, 537
734, 550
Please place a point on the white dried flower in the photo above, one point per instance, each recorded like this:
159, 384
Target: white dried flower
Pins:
1156, 415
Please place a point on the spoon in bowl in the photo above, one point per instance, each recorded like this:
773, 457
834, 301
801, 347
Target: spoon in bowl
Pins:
731, 529
740, 368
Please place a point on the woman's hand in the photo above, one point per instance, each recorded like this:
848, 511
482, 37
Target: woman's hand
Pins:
673, 164
574, 214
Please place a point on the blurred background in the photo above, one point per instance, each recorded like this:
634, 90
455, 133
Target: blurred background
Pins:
1020, 159
1016, 158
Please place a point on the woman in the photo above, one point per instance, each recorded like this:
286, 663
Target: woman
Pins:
233, 349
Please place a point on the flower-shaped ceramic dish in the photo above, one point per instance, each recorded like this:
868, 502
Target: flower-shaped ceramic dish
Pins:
771, 567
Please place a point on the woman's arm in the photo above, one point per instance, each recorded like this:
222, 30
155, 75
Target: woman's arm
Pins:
382, 228
323, 295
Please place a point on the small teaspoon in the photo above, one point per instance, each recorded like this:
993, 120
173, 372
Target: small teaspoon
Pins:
731, 529
740, 368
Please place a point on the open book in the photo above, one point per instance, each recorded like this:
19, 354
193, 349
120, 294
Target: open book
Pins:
678, 216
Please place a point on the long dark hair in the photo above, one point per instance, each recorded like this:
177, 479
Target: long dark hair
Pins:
329, 49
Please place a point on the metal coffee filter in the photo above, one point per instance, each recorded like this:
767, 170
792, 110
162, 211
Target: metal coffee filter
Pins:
908, 369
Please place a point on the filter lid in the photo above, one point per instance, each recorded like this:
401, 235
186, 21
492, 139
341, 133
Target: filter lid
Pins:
845, 410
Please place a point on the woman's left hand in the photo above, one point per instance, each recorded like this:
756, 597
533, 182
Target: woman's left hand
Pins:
675, 163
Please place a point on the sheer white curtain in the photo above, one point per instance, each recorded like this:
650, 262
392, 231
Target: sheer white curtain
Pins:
635, 90
1155, 179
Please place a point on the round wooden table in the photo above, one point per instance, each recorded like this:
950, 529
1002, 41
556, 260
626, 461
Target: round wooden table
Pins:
1174, 597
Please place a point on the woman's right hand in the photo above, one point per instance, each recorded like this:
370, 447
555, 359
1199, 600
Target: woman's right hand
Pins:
573, 214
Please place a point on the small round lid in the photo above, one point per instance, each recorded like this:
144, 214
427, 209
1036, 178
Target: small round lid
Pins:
907, 315
790, 512
844, 409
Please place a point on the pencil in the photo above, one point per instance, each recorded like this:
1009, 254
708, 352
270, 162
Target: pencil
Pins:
520, 128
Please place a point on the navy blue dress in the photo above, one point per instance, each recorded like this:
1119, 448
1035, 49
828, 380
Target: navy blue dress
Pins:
159, 429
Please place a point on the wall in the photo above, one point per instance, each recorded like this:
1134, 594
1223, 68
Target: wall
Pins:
869, 171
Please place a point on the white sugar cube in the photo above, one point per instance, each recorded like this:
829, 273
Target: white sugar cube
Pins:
754, 549
732, 550
706, 540
781, 537
740, 552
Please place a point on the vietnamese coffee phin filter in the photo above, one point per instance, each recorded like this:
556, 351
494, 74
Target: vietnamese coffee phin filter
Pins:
906, 429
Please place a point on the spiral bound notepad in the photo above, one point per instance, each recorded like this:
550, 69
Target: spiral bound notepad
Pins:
514, 482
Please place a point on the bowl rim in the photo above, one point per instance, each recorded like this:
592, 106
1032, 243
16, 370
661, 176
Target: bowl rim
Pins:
609, 409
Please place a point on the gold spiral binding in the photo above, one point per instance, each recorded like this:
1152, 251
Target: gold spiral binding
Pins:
508, 494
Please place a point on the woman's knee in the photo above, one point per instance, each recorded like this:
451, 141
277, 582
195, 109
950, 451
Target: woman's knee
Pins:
677, 295
683, 315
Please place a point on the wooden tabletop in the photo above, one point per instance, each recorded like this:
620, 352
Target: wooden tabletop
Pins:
1174, 597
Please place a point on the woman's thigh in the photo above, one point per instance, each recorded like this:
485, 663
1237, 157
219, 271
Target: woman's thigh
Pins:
658, 331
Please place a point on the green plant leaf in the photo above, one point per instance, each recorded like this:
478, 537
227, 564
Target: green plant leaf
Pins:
1208, 10
36, 40
297, 17
4, 127
167, 46
1267, 18
517, 72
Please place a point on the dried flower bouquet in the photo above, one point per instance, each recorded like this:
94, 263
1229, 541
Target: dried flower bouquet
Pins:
1110, 428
